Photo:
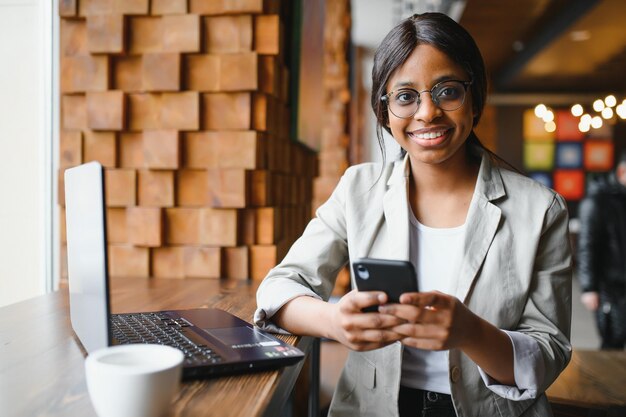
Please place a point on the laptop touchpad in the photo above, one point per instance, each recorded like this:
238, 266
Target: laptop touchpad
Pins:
241, 337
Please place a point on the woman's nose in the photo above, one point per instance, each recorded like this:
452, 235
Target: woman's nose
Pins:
427, 110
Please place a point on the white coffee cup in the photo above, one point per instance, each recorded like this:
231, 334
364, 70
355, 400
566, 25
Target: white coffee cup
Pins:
138, 380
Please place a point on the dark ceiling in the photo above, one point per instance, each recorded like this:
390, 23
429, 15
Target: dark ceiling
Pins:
551, 46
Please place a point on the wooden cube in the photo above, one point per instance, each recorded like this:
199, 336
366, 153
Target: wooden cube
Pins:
228, 188
68, 8
168, 262
120, 187
61, 187
203, 262
243, 150
228, 34
105, 33
74, 111
239, 72
144, 111
73, 37
267, 34
261, 188
164, 7
182, 226
200, 149
220, 227
95, 7
269, 75
145, 226
70, 148
192, 187
131, 7
84, 73
101, 147
236, 262
129, 261
180, 111
202, 72
116, 225
181, 33
161, 72
217, 7
262, 259
127, 73
161, 149
268, 225
248, 235
131, 150
106, 110
261, 112
145, 35
156, 188
227, 111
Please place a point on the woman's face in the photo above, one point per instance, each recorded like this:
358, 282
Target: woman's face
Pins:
431, 135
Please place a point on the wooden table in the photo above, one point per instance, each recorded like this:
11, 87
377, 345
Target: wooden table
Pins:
42, 365
593, 380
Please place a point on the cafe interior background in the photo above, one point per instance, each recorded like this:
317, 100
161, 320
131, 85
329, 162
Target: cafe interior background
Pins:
222, 125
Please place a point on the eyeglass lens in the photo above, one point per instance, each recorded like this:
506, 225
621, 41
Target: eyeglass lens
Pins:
447, 95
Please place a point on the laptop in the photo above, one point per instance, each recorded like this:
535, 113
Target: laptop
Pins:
214, 341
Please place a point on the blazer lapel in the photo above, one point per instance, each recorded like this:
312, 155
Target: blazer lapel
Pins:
396, 212
482, 222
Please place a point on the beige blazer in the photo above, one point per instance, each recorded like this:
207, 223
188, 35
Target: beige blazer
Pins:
515, 273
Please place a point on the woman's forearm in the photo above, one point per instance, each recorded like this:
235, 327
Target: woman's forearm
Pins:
305, 316
492, 350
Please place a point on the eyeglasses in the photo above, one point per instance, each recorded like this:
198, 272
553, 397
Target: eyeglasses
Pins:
447, 95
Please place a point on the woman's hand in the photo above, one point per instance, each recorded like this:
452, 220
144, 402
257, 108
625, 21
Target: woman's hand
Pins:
363, 331
434, 320
438, 321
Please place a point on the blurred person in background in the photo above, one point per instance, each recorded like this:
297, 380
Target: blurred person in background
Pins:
602, 254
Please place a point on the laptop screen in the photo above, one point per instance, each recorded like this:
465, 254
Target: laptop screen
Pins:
86, 254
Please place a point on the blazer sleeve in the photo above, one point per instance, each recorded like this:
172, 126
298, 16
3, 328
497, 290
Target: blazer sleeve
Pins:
311, 266
547, 313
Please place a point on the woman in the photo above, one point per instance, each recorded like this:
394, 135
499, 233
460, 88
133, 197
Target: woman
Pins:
489, 330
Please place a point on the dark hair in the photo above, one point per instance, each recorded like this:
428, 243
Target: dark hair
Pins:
441, 32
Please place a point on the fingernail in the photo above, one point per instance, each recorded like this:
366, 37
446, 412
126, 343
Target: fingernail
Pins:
381, 298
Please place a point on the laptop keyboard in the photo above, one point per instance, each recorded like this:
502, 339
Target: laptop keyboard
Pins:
158, 328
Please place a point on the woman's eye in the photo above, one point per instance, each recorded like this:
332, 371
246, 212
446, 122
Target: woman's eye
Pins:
448, 93
406, 97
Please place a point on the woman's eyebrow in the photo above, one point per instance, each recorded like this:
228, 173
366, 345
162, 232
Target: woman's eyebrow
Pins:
445, 77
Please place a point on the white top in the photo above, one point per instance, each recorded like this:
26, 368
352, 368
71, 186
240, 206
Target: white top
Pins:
437, 253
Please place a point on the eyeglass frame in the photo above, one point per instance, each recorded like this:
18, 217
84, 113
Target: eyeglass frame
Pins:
385, 98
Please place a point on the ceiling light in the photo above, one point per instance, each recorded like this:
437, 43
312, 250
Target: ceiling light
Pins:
596, 122
540, 110
548, 116
583, 127
621, 110
607, 113
610, 101
598, 105
586, 118
579, 35
577, 110
550, 126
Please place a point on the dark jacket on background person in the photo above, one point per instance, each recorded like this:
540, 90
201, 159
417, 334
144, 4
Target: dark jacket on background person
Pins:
602, 255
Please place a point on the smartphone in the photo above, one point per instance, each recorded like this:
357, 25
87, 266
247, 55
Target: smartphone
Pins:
392, 277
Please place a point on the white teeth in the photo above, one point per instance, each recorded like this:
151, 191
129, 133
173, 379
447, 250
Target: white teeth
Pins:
430, 135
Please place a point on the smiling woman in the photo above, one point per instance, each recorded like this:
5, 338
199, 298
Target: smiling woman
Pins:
489, 330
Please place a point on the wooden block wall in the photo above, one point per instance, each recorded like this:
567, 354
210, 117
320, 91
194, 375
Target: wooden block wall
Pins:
334, 149
185, 105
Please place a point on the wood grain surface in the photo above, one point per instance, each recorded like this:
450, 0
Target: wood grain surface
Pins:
42, 363
593, 379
